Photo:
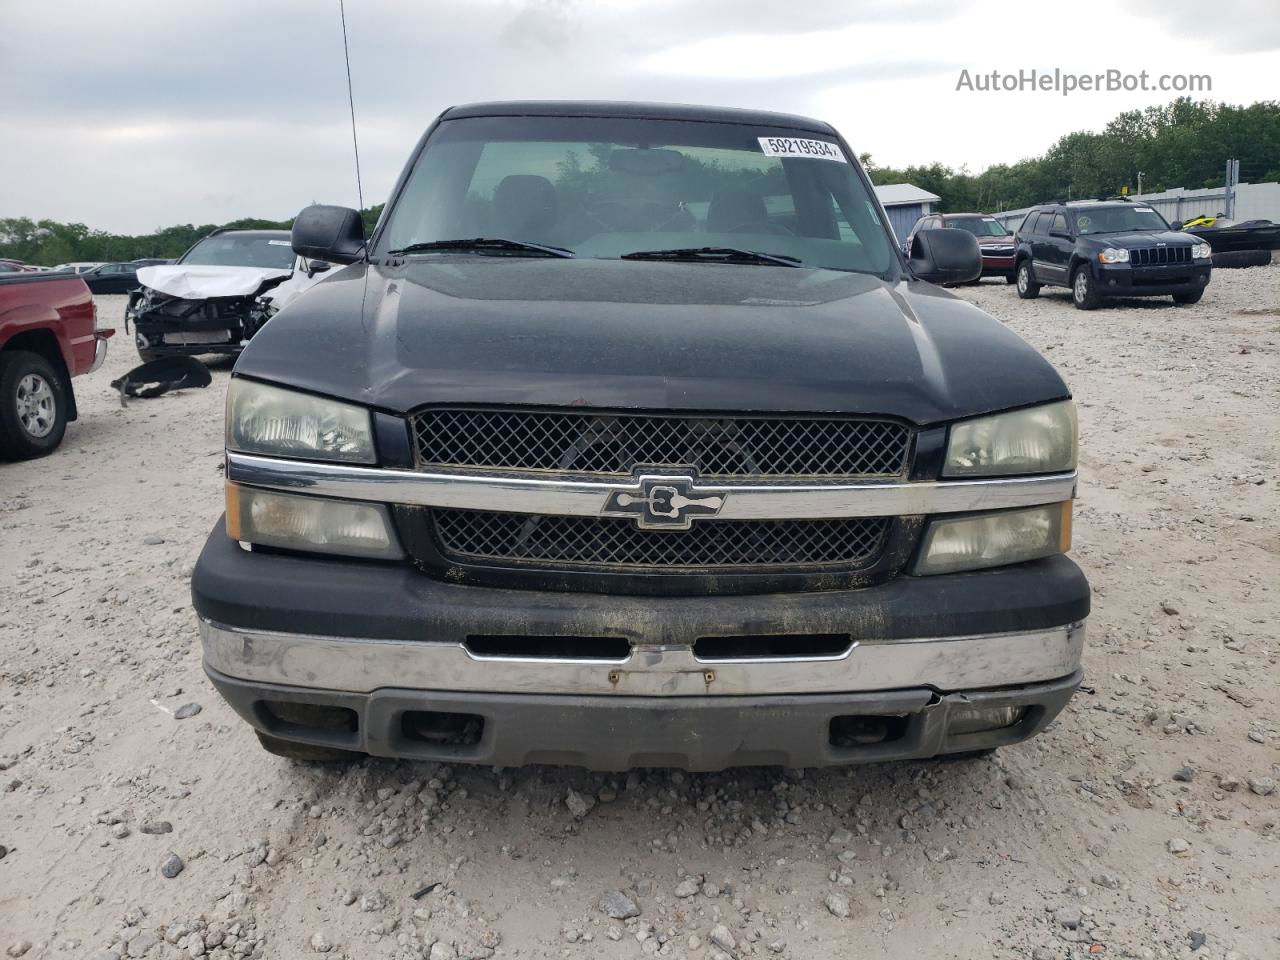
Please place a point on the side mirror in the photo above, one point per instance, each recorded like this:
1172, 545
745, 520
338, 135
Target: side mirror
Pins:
1061, 234
318, 266
1175, 224
945, 255
322, 232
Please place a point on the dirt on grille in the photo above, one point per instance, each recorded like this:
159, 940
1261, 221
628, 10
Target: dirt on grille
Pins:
1142, 824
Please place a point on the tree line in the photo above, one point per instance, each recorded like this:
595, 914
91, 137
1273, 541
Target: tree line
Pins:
1185, 143
49, 243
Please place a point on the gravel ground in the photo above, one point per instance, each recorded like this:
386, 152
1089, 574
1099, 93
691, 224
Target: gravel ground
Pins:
1143, 824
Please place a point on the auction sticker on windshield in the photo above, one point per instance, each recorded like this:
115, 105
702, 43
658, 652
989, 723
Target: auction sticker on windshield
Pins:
795, 147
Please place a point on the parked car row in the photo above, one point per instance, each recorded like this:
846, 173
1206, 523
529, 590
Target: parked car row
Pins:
1095, 248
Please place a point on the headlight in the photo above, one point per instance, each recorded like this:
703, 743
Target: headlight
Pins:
310, 523
276, 422
978, 541
1036, 440
1114, 255
1201, 251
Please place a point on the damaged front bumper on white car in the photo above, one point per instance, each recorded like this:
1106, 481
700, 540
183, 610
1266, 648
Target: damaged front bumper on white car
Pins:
196, 309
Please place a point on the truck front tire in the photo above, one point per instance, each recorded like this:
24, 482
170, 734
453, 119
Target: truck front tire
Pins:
33, 406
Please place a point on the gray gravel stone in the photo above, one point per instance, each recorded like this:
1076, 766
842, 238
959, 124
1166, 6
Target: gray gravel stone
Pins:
156, 827
1178, 846
321, 943
723, 938
688, 887
1068, 917
617, 905
578, 805
373, 901
171, 866
1262, 786
837, 905
1184, 775
186, 711
151, 540
142, 944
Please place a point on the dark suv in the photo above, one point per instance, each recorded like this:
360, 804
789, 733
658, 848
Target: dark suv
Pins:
1108, 248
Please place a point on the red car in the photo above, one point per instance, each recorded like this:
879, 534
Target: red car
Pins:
994, 240
48, 334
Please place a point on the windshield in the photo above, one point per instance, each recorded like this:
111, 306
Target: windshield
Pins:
241, 250
1118, 220
979, 226
604, 187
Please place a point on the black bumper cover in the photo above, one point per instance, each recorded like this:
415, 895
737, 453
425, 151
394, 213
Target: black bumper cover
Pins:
350, 598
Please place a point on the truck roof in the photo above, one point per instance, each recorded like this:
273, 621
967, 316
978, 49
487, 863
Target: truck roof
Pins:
643, 111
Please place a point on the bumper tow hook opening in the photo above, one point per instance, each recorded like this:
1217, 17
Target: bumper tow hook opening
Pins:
443, 729
862, 731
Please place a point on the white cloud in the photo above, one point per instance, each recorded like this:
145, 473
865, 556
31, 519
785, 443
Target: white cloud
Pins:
155, 113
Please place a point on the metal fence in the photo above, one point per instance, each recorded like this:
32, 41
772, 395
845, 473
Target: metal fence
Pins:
1253, 201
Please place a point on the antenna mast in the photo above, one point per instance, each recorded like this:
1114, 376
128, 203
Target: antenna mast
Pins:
355, 146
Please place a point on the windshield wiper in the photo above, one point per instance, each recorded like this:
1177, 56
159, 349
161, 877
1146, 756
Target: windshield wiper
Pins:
716, 254
486, 243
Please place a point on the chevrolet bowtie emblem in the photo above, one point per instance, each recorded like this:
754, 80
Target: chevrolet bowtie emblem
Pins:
664, 503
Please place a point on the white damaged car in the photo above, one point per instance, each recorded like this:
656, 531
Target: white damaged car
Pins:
218, 294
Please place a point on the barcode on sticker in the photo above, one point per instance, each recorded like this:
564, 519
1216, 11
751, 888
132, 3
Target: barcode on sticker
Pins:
795, 147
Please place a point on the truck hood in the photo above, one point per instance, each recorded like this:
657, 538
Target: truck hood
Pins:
204, 283
631, 334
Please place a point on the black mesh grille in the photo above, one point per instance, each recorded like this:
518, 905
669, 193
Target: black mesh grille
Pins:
1153, 255
847, 542
618, 443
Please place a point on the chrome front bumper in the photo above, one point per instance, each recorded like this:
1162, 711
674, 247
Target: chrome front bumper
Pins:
365, 665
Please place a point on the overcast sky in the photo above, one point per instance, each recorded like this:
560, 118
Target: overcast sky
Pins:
133, 114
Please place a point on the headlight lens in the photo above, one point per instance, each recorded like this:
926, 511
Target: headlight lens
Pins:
310, 523
277, 422
1035, 440
1114, 255
978, 541
1201, 251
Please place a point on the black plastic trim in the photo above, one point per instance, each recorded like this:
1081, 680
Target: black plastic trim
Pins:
328, 596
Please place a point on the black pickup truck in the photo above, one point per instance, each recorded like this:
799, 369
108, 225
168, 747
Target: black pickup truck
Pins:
630, 438
1108, 248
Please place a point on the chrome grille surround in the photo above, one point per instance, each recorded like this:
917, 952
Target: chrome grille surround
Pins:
616, 444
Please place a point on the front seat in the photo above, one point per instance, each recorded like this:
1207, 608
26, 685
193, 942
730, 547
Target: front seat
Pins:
525, 207
737, 211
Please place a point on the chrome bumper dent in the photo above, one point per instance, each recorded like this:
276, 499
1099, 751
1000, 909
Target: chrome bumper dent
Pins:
587, 498
362, 666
